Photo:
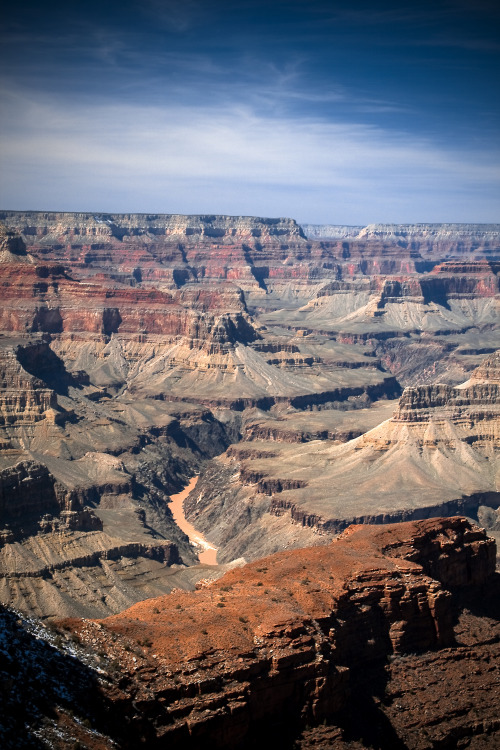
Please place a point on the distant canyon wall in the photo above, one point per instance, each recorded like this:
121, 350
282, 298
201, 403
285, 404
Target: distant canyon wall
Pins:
403, 231
44, 225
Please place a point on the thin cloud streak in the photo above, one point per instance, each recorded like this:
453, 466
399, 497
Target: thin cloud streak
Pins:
158, 148
173, 15
241, 107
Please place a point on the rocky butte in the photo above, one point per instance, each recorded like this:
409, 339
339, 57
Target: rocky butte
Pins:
311, 378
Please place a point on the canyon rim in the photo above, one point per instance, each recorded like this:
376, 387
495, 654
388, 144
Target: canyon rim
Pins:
331, 395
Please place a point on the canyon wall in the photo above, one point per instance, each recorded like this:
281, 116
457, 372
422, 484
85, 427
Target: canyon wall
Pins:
436, 454
481, 232
285, 642
136, 348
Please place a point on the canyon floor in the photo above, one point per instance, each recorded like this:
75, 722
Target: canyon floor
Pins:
288, 384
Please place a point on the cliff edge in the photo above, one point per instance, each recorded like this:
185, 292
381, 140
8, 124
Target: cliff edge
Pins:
308, 646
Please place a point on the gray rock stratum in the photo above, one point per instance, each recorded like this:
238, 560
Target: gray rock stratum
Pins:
437, 455
403, 231
136, 348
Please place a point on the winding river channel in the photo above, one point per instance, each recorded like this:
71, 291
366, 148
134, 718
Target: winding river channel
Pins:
208, 553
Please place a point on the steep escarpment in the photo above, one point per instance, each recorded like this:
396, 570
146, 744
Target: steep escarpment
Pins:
455, 232
27, 489
288, 642
46, 226
382, 303
194, 279
437, 454
61, 304
482, 389
143, 331
463, 233
24, 398
330, 231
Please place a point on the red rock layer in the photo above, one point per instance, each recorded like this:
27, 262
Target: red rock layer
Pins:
277, 643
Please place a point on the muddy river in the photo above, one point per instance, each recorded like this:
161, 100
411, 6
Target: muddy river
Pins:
207, 553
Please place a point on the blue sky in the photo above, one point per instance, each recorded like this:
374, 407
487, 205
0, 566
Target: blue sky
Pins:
328, 112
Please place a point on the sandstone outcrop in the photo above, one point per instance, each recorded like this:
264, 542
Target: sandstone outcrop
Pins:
290, 640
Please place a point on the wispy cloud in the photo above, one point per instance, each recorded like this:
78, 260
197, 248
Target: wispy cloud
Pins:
174, 15
176, 158
298, 107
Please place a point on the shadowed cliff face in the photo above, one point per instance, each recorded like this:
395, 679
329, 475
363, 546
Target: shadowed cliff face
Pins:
287, 641
49, 691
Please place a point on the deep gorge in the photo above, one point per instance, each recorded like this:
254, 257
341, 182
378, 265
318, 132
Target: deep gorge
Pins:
311, 382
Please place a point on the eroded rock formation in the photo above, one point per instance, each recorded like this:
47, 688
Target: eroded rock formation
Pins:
290, 640
437, 454
135, 348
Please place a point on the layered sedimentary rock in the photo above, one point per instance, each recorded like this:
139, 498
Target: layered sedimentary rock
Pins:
331, 231
24, 399
183, 329
324, 424
451, 298
47, 226
83, 531
135, 348
84, 519
55, 554
437, 454
156, 274
289, 641
484, 233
